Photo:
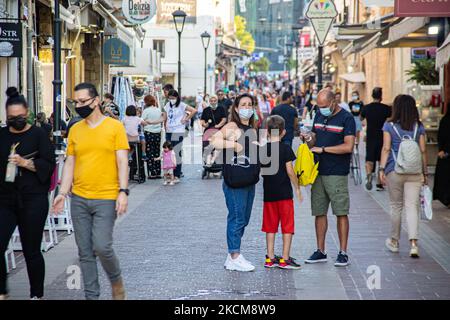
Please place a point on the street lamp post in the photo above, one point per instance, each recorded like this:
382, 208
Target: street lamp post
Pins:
299, 28
179, 17
206, 38
57, 78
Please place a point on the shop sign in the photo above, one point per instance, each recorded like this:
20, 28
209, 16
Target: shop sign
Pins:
423, 53
139, 11
321, 13
422, 8
10, 39
305, 53
116, 52
166, 7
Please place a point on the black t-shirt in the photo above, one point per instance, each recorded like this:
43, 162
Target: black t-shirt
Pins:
356, 108
225, 104
277, 185
289, 114
34, 144
47, 128
376, 114
214, 115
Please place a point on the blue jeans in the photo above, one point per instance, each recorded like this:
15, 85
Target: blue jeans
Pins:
176, 139
239, 203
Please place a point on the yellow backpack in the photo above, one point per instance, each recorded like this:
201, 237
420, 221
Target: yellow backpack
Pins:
305, 168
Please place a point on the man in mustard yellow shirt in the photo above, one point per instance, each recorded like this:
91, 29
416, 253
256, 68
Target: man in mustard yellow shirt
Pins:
96, 169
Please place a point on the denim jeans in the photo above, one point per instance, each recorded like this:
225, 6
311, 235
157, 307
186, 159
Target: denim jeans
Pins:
176, 139
239, 203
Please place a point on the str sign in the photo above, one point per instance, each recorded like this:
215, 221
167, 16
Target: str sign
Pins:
139, 11
10, 39
422, 8
321, 13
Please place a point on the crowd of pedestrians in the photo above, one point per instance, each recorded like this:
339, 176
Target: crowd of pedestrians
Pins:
240, 128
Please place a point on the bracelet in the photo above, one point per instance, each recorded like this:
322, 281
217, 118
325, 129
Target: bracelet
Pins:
64, 194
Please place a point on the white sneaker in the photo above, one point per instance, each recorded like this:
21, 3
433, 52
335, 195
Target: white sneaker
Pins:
392, 246
165, 183
239, 264
414, 252
4, 297
227, 261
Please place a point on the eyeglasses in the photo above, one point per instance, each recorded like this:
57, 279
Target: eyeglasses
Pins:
82, 102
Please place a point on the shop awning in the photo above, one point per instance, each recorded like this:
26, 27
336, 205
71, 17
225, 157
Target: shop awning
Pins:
443, 53
367, 28
370, 44
123, 33
406, 26
354, 77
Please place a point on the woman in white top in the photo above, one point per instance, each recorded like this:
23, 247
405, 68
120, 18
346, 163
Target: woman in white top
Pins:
176, 115
154, 117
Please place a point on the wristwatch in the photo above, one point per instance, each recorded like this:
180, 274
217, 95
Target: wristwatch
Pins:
323, 149
381, 169
126, 191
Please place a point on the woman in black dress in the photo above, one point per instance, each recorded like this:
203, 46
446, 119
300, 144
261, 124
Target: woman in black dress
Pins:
24, 189
441, 190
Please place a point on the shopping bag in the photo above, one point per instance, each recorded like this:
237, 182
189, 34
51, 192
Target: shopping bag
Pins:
426, 208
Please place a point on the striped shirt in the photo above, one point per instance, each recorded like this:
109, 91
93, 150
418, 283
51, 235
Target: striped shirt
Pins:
331, 131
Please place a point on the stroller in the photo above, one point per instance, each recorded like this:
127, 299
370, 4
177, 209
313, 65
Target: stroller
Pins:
209, 156
137, 171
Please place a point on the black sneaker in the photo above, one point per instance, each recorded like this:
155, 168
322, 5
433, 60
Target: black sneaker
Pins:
380, 187
341, 260
317, 257
369, 183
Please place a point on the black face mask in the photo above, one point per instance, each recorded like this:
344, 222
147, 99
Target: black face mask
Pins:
18, 123
84, 111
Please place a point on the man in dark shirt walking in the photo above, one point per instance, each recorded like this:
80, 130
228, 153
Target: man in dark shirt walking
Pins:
224, 102
290, 116
375, 114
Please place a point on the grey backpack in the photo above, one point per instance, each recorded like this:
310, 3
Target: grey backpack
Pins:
409, 157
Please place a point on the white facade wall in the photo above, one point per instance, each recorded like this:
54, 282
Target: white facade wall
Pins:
192, 52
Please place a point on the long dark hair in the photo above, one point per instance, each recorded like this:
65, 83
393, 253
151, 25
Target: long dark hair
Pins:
405, 112
235, 115
174, 93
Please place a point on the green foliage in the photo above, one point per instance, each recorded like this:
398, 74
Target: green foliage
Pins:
424, 72
245, 38
291, 63
262, 65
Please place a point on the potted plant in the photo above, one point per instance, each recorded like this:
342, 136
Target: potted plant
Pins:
425, 75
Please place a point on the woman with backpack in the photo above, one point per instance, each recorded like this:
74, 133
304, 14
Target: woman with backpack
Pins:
403, 168
241, 173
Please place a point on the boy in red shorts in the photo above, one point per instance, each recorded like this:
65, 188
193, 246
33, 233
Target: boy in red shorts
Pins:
278, 174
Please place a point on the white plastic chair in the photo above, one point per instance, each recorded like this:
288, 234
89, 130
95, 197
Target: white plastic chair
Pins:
64, 219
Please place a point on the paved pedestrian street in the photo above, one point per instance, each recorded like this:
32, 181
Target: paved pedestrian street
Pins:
172, 245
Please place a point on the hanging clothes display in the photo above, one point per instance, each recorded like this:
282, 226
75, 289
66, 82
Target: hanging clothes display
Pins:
123, 93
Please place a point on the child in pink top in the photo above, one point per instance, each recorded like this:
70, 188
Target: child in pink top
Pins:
169, 162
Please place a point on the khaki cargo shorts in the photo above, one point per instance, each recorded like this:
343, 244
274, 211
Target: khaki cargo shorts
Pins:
330, 189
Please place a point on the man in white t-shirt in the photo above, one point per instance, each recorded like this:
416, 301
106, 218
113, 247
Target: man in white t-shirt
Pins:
341, 103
